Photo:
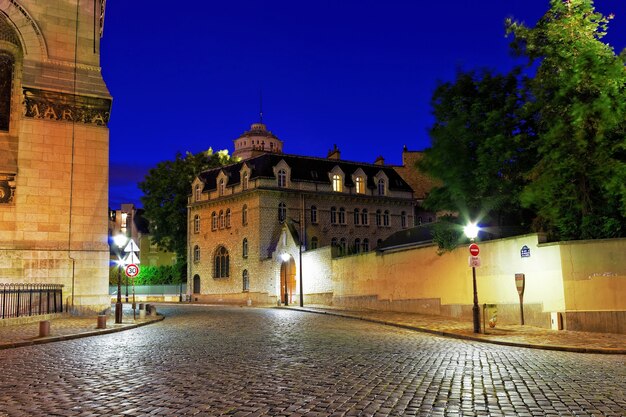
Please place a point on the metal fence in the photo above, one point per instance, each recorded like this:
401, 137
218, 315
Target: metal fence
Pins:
18, 300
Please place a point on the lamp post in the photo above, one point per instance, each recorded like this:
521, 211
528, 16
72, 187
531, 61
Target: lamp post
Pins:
119, 241
471, 231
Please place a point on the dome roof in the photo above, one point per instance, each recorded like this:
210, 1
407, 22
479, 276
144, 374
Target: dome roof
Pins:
258, 130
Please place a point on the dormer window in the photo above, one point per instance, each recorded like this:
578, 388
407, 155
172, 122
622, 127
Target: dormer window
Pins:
222, 187
382, 186
337, 183
197, 192
359, 182
282, 178
244, 181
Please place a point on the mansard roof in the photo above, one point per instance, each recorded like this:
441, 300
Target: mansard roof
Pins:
304, 168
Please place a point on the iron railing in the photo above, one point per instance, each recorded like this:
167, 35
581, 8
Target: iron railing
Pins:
18, 300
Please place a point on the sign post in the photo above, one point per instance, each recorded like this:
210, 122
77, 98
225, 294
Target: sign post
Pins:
520, 283
474, 261
132, 260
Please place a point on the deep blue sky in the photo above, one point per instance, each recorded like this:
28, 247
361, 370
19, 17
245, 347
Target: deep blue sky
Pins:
357, 73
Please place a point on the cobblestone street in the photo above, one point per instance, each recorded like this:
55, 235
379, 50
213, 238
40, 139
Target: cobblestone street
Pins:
213, 361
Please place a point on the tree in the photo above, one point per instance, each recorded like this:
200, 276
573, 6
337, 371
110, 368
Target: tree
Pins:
578, 185
165, 193
479, 147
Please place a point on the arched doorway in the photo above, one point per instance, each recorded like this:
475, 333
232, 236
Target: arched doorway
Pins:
287, 281
196, 284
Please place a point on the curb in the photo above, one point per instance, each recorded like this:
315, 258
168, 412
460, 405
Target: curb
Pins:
51, 339
575, 349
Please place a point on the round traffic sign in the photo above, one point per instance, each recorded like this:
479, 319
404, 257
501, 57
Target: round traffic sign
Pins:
132, 270
474, 249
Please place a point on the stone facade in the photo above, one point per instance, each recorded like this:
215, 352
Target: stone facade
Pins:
55, 146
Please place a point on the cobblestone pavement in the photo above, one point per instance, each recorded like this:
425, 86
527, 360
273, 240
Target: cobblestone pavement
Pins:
213, 361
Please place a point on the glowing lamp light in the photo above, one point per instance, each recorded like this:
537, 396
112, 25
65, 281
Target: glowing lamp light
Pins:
471, 230
120, 240
285, 257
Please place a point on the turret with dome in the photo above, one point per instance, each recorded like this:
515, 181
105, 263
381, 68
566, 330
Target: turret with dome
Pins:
257, 141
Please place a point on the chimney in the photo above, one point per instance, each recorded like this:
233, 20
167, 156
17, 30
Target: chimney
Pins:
334, 153
380, 160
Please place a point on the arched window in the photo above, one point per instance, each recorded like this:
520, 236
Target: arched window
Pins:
196, 253
314, 242
357, 217
196, 284
282, 212
342, 215
222, 263
313, 214
197, 192
365, 245
222, 219
213, 221
337, 183
333, 215
246, 281
357, 245
386, 218
282, 178
382, 186
244, 215
196, 223
379, 219
221, 188
244, 181
403, 219
334, 244
359, 185
342, 246
227, 217
365, 218
244, 248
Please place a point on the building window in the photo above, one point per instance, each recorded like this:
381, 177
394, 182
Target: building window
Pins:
342, 215
196, 253
6, 81
245, 281
379, 219
379, 242
228, 218
222, 219
333, 242
357, 217
214, 221
386, 218
365, 218
357, 245
282, 212
342, 246
244, 181
196, 284
282, 178
403, 219
313, 214
244, 248
314, 242
196, 223
221, 263
197, 192
382, 187
222, 187
360, 185
337, 183
365, 245
244, 215
333, 215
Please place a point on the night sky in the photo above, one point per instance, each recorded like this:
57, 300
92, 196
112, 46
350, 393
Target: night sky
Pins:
357, 73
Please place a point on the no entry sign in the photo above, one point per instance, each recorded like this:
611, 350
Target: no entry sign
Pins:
474, 249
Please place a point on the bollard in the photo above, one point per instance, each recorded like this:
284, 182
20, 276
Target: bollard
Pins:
102, 322
152, 310
142, 313
44, 328
141, 306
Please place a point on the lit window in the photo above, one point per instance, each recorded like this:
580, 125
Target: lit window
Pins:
337, 183
314, 242
222, 187
244, 248
360, 185
282, 212
244, 181
244, 215
357, 217
333, 215
197, 192
365, 245
357, 245
246, 281
213, 221
314, 214
222, 219
196, 253
403, 219
282, 178
379, 218
196, 223
222, 263
386, 218
342, 215
382, 187
228, 218
365, 218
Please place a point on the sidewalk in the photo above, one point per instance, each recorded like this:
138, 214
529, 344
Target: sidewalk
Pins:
68, 327
509, 335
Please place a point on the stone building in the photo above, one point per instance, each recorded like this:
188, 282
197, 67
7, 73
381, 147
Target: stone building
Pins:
54, 148
243, 216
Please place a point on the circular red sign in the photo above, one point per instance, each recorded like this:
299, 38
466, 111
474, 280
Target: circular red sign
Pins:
132, 270
474, 249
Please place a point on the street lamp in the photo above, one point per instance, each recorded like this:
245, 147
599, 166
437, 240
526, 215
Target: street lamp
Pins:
119, 241
471, 231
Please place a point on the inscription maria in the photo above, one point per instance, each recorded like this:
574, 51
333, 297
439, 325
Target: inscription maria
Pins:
41, 104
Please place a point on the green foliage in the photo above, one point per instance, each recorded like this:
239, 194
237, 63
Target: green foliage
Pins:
165, 192
577, 185
152, 275
447, 233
